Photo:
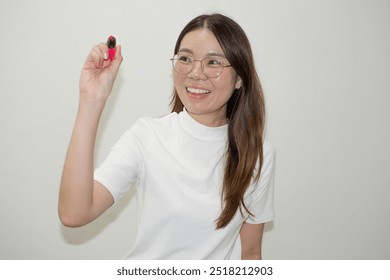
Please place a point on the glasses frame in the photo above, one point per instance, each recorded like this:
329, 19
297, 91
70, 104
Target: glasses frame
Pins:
175, 58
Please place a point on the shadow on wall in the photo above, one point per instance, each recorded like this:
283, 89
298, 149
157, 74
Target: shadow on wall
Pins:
268, 226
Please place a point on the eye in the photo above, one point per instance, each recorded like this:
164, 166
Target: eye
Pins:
184, 58
213, 62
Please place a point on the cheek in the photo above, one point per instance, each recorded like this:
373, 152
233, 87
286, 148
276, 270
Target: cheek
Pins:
225, 84
178, 80
178, 83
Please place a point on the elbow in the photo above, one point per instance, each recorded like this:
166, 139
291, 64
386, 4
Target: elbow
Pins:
65, 221
69, 216
70, 220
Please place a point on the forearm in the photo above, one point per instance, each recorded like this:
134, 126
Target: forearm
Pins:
76, 190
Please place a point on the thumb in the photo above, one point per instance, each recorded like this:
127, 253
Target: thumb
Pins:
118, 58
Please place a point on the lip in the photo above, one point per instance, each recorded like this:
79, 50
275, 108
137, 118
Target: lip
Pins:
195, 90
196, 96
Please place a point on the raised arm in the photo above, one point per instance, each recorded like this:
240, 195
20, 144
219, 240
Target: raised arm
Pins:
81, 199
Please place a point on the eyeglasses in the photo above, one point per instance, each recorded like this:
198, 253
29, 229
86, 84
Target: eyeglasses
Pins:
212, 66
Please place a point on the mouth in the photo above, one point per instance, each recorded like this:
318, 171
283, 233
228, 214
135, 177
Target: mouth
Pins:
197, 91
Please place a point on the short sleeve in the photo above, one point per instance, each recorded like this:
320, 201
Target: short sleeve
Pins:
122, 166
262, 197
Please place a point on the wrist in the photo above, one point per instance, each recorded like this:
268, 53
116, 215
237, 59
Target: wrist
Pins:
91, 102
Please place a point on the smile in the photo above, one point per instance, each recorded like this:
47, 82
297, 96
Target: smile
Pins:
197, 90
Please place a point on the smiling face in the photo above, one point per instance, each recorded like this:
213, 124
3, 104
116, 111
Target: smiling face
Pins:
204, 98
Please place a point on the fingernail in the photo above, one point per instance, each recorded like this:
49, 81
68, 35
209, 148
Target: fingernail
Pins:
105, 55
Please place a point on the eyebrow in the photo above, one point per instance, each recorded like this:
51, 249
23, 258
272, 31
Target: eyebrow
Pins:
208, 54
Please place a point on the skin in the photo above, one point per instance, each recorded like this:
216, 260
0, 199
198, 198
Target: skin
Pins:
81, 199
251, 236
208, 109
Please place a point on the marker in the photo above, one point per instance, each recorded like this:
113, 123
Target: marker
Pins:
111, 43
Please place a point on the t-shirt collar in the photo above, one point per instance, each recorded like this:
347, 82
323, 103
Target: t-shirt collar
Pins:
198, 130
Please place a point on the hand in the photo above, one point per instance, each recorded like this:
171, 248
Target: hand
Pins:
99, 73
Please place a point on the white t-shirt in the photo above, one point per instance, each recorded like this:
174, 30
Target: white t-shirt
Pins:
177, 166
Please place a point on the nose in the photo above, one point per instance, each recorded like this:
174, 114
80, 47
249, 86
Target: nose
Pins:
197, 71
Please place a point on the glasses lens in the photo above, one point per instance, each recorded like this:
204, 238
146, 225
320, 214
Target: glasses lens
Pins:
182, 63
212, 66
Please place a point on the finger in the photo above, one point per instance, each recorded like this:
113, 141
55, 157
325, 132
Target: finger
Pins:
118, 58
98, 55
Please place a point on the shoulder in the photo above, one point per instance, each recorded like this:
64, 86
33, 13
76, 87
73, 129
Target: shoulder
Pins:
147, 129
268, 164
148, 124
163, 121
259, 196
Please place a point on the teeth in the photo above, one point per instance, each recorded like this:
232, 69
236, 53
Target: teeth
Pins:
198, 91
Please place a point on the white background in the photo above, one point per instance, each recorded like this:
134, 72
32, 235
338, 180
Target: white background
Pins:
325, 68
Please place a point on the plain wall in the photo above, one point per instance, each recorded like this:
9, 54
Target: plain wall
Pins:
325, 69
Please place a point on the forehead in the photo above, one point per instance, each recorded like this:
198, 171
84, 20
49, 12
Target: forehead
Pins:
200, 42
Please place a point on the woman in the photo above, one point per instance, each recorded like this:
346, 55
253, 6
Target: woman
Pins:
203, 174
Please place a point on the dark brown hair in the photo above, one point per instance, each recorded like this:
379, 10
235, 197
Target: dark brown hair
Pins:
245, 111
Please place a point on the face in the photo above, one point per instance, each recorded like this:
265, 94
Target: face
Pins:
205, 98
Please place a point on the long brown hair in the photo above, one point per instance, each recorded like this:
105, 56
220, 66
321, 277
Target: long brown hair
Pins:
245, 111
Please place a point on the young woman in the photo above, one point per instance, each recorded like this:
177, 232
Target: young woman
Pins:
203, 174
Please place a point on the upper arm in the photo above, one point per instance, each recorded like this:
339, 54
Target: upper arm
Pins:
102, 200
251, 238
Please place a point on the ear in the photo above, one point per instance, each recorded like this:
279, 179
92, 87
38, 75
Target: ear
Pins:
238, 83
